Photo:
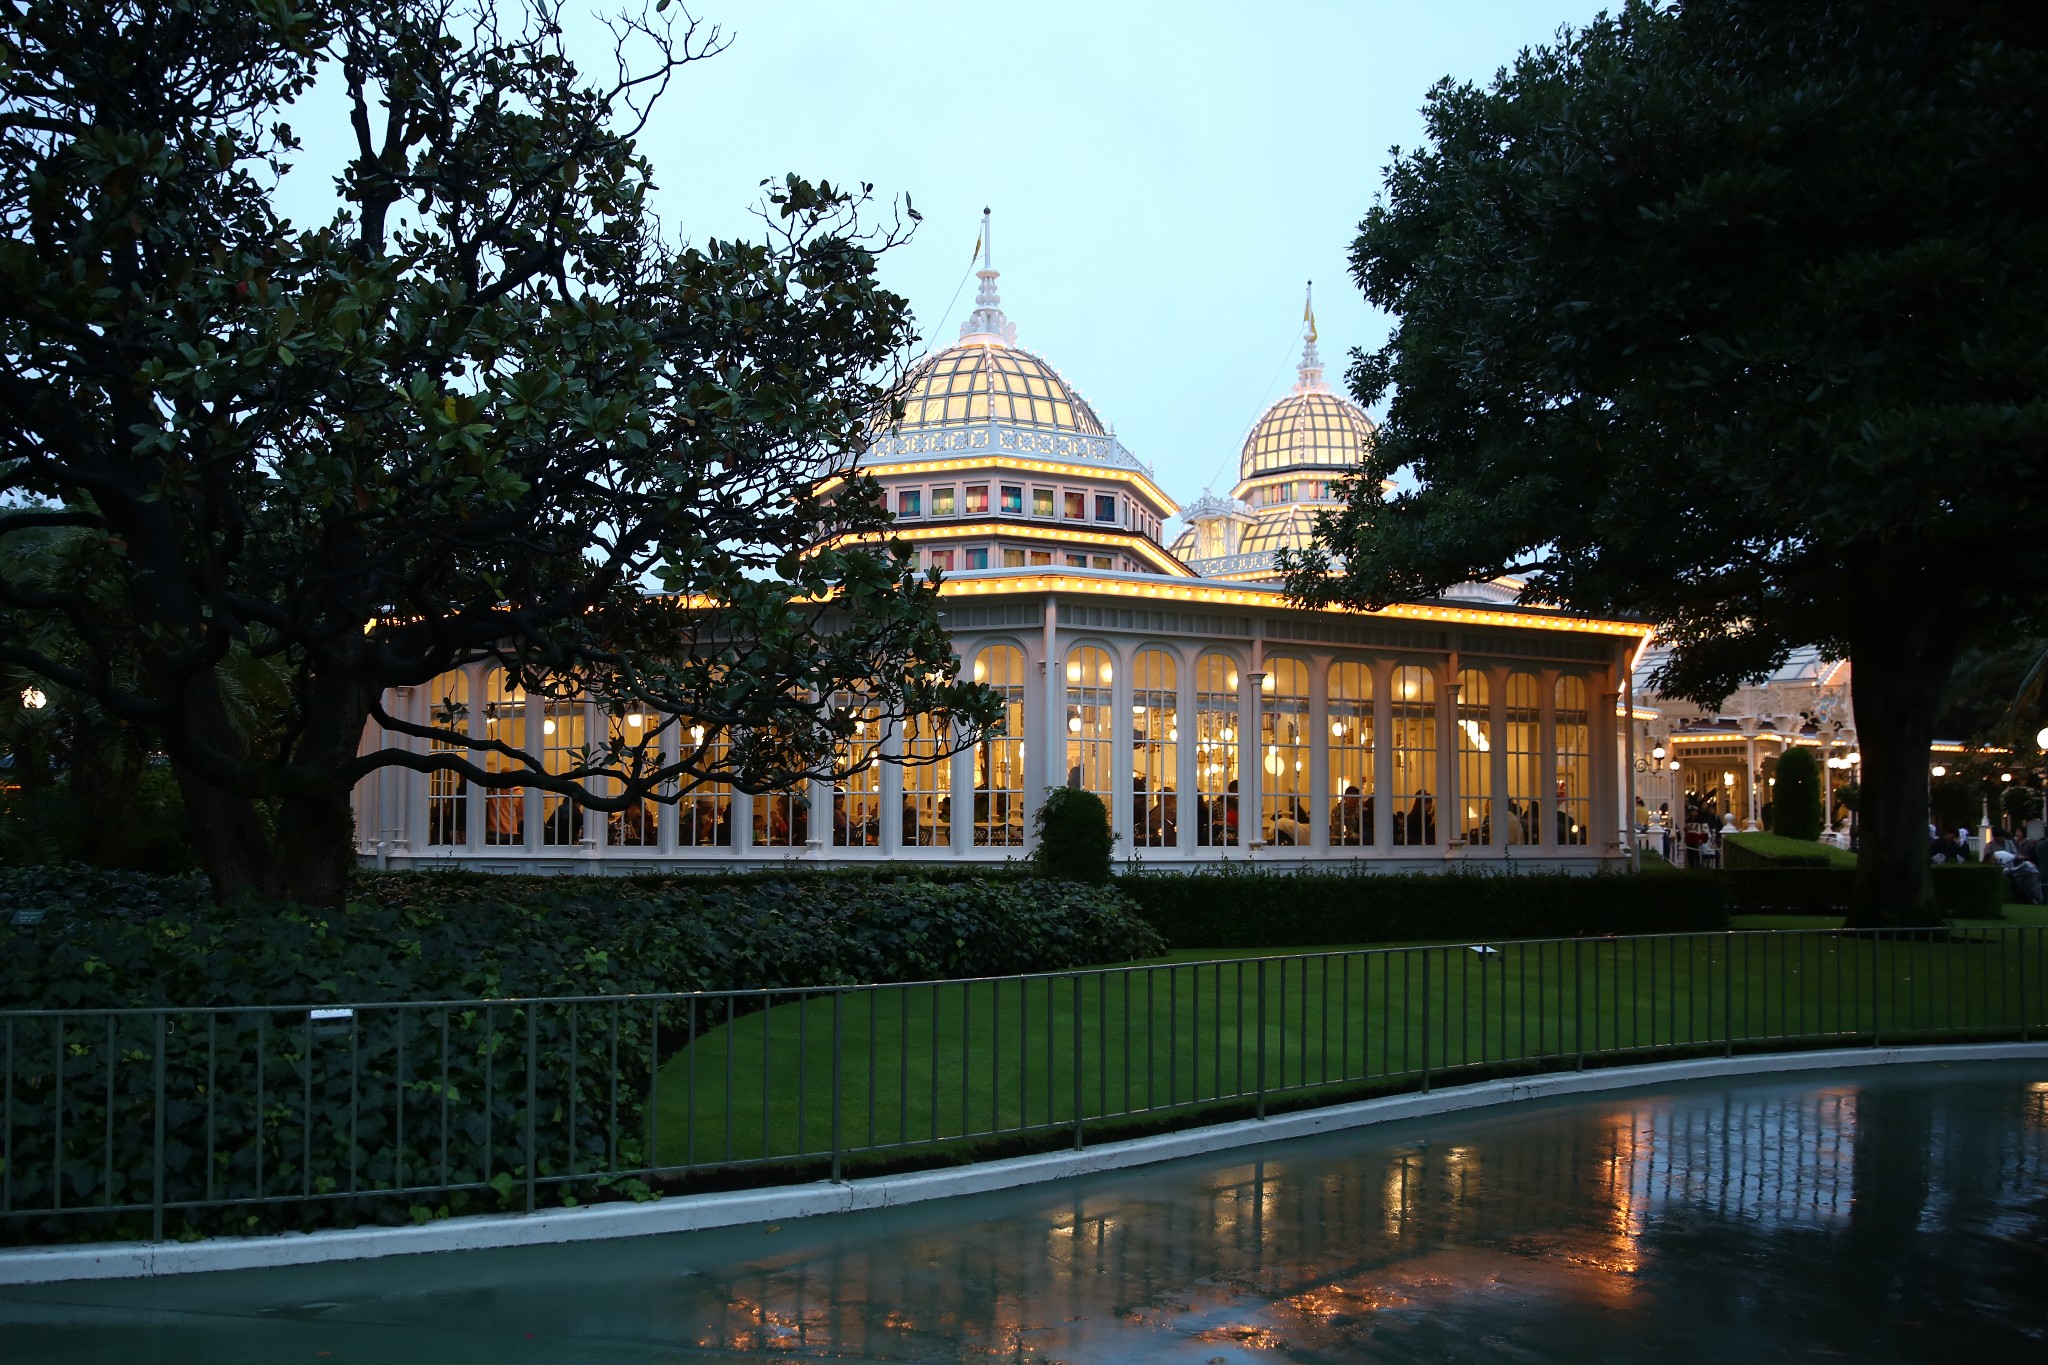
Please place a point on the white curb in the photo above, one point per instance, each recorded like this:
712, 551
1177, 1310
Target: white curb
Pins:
690, 1213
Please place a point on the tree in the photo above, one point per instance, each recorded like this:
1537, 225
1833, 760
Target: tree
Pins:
488, 411
1795, 801
1727, 313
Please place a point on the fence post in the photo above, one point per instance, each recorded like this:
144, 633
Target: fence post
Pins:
532, 1099
1579, 1000
838, 1076
156, 1197
1077, 1062
1425, 1019
1876, 994
1728, 995
1261, 1079
2026, 1021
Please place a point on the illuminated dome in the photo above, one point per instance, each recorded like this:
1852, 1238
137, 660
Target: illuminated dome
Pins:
1310, 429
1287, 529
987, 379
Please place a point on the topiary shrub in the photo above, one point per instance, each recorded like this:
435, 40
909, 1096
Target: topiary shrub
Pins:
1795, 803
1074, 838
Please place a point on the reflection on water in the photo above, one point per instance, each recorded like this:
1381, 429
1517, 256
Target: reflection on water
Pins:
1898, 1216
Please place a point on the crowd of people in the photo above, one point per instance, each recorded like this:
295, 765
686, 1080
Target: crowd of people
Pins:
2018, 856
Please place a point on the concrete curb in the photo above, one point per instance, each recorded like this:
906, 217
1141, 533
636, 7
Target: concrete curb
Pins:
690, 1213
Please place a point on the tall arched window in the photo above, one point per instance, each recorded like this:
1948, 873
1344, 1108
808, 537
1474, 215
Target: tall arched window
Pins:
1475, 758
1524, 739
1155, 749
704, 816
1351, 797
999, 758
857, 792
1574, 763
1284, 752
1412, 721
636, 730
1090, 677
1216, 750
447, 793
927, 783
504, 722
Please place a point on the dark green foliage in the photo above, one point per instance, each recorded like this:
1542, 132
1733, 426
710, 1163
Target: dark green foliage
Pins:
1961, 890
1790, 257
1074, 837
2020, 804
120, 939
1795, 801
1735, 853
114, 939
1254, 909
473, 414
59, 824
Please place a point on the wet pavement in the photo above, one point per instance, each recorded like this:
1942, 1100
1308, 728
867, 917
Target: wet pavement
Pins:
1898, 1215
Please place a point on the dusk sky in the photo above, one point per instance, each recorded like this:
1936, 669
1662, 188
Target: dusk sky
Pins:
1164, 178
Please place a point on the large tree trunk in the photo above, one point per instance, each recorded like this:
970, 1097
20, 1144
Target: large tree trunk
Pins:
314, 850
1902, 653
228, 836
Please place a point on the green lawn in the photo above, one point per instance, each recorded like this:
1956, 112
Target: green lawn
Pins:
937, 1063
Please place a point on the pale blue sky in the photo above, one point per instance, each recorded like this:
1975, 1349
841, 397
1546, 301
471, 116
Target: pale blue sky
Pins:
1164, 177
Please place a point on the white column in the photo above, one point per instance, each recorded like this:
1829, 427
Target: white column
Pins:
1382, 755
1450, 807
1320, 797
1546, 791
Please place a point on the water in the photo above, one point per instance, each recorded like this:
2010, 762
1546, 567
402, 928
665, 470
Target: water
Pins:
1898, 1215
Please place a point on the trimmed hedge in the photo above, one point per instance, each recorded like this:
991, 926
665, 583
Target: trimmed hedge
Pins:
1250, 908
111, 939
1961, 890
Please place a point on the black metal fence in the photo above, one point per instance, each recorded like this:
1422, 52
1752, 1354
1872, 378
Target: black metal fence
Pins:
179, 1122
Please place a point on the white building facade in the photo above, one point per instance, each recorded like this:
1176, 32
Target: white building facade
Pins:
1216, 720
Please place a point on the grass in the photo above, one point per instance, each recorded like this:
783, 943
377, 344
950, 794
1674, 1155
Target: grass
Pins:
942, 1064
1774, 846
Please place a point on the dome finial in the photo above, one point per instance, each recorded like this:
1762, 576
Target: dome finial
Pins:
987, 320
1310, 371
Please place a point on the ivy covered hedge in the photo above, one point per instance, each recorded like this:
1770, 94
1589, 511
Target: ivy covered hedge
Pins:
1245, 907
114, 939
506, 1103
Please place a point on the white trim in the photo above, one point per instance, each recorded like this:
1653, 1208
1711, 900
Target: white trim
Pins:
692, 1213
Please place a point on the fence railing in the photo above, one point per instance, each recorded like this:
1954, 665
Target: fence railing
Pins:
176, 1122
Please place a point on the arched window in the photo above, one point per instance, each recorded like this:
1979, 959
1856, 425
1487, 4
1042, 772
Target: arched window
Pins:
639, 735
1412, 720
1525, 759
999, 758
1284, 752
1090, 677
447, 793
563, 740
1351, 805
504, 722
1475, 757
927, 783
1155, 749
857, 792
1574, 765
704, 815
1216, 750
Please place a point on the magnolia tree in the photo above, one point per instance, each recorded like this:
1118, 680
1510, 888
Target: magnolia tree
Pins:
489, 410
1728, 312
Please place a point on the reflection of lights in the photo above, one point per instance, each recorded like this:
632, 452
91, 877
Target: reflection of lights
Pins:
1230, 681
1479, 741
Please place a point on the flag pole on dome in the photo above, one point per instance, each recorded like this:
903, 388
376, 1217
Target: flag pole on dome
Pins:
1308, 310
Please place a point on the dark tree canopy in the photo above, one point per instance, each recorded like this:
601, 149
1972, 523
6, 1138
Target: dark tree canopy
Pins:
1729, 313
491, 410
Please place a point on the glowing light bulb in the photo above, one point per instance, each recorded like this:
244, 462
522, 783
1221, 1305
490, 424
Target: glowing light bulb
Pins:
34, 698
980, 671
1073, 670
635, 719
1105, 674
1173, 732
1336, 729
1074, 725
1673, 765
1939, 771
547, 727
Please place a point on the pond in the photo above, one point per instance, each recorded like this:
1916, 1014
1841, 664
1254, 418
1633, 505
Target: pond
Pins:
1894, 1214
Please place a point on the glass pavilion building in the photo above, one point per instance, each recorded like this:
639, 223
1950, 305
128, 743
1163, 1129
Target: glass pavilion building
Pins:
1216, 720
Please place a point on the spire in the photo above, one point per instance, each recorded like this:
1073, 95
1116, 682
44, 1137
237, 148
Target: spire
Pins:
1310, 371
987, 319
